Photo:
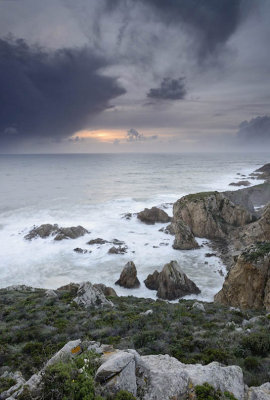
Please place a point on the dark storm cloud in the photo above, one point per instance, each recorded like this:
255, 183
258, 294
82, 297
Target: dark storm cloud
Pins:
49, 94
257, 130
170, 89
212, 21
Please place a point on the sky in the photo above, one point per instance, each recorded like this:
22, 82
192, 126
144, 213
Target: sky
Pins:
134, 76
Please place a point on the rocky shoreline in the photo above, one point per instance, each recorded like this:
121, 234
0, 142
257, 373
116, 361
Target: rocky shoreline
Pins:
152, 350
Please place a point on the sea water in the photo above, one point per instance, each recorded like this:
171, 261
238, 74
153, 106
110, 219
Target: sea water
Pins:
95, 191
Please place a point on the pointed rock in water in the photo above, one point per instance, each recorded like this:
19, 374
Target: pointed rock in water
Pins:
153, 215
184, 238
128, 277
90, 296
151, 282
174, 283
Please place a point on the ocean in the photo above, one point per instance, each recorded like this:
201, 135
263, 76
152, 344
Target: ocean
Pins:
95, 191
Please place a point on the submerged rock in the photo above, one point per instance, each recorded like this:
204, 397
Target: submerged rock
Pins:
90, 296
128, 277
247, 284
117, 250
81, 251
153, 215
46, 230
97, 241
240, 183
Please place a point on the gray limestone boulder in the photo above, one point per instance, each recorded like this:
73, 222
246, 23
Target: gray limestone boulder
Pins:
90, 296
259, 393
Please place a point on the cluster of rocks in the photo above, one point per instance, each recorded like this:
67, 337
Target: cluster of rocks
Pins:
171, 283
45, 230
152, 377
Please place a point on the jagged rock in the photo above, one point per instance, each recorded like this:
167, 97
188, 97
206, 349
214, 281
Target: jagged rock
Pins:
46, 230
117, 250
42, 231
210, 214
210, 255
153, 215
169, 229
151, 282
128, 277
70, 287
67, 352
184, 238
97, 241
117, 242
247, 284
221, 378
259, 393
164, 377
173, 283
73, 232
89, 296
106, 290
18, 378
240, 183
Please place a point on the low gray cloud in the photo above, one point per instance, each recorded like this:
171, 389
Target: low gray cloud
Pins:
50, 94
257, 130
170, 89
134, 136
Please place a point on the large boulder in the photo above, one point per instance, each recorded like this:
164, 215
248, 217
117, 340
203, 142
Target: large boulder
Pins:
210, 214
45, 230
247, 284
184, 238
259, 393
171, 283
128, 277
222, 378
90, 296
153, 215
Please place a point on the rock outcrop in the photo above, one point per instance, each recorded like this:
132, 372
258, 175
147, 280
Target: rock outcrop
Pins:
46, 230
171, 283
128, 277
258, 231
153, 215
210, 214
90, 296
247, 284
240, 183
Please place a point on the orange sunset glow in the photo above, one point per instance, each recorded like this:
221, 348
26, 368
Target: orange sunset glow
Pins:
101, 135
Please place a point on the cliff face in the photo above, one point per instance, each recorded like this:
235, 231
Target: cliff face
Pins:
209, 214
247, 284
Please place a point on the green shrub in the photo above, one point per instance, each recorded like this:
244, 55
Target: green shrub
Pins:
124, 395
257, 343
6, 383
208, 392
251, 363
